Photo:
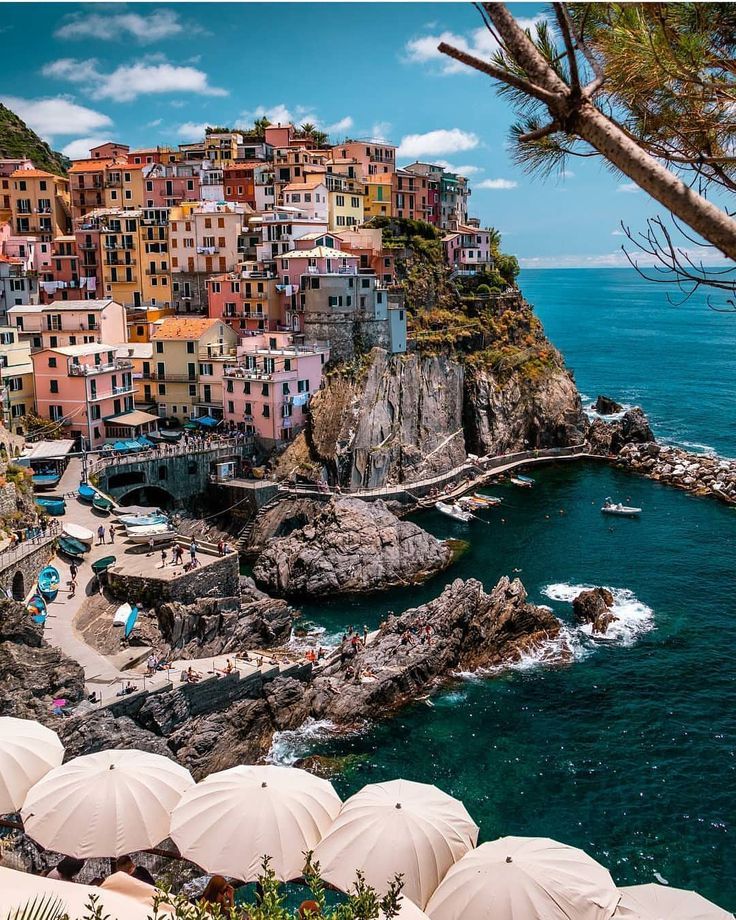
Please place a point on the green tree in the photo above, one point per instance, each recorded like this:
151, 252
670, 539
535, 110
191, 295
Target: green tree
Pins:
260, 125
648, 87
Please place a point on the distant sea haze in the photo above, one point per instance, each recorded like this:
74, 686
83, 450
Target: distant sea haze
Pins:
622, 337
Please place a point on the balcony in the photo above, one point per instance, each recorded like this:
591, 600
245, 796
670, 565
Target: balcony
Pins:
207, 250
167, 377
216, 351
115, 391
117, 264
87, 245
157, 271
86, 370
245, 373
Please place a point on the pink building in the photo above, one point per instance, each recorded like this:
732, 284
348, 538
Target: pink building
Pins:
82, 386
468, 249
70, 322
268, 390
321, 256
248, 300
167, 184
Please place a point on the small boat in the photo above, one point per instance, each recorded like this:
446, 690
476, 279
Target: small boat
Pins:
612, 507
159, 533
526, 482
122, 614
454, 511
44, 480
52, 504
130, 622
142, 520
102, 565
73, 548
37, 609
100, 503
48, 583
78, 533
489, 500
86, 492
477, 501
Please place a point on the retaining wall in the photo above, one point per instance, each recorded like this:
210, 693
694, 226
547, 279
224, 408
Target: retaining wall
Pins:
217, 576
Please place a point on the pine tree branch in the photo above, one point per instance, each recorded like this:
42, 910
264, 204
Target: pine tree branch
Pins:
497, 73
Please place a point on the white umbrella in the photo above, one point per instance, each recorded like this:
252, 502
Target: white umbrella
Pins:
525, 878
19, 888
28, 750
393, 827
105, 804
408, 910
231, 820
659, 902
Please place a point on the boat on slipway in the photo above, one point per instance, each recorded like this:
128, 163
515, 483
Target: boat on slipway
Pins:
159, 533
525, 482
102, 565
454, 511
37, 609
45, 479
78, 533
143, 520
86, 492
612, 507
72, 548
54, 505
125, 617
102, 504
48, 583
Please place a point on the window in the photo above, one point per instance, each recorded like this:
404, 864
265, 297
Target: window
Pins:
52, 362
264, 389
190, 348
266, 412
246, 388
340, 201
192, 390
54, 386
302, 386
159, 348
162, 389
230, 407
285, 388
206, 370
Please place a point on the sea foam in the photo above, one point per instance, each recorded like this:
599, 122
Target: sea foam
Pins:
634, 617
292, 744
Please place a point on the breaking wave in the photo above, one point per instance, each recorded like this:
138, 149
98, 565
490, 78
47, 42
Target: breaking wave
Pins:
634, 618
291, 745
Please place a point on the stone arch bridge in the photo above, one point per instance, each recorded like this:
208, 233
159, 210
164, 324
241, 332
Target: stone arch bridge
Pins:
21, 565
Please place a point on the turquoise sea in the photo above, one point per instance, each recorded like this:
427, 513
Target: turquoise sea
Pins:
629, 750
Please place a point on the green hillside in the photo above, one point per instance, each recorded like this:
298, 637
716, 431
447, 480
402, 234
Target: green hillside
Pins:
17, 140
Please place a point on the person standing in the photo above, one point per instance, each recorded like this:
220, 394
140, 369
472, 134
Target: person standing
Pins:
163, 558
112, 533
150, 547
193, 550
73, 569
100, 534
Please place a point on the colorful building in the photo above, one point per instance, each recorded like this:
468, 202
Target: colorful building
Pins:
468, 249
268, 387
345, 201
309, 196
39, 204
16, 379
80, 387
375, 158
187, 365
409, 195
69, 322
17, 286
248, 301
379, 196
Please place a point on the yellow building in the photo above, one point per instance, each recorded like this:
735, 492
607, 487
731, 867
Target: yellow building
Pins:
16, 379
344, 201
39, 204
377, 202
189, 357
219, 147
123, 185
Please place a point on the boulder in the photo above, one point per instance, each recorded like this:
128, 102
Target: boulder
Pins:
351, 547
604, 405
635, 427
463, 629
595, 606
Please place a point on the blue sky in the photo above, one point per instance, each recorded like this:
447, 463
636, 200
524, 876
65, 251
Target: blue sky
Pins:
156, 73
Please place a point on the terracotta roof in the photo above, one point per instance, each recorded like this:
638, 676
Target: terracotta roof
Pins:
175, 327
33, 174
312, 183
89, 165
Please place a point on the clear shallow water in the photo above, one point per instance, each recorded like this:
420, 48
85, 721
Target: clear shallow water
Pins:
629, 750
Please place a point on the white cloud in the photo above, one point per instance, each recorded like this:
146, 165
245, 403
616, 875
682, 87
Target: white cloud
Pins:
497, 184
279, 114
56, 115
155, 123
630, 187
340, 127
479, 42
617, 233
380, 131
143, 28
80, 148
128, 82
191, 131
461, 170
435, 143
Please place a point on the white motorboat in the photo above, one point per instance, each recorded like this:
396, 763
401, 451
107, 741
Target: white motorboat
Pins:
454, 511
121, 615
478, 500
526, 482
77, 533
156, 532
612, 507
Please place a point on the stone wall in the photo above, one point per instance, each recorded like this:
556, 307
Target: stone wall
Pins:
8, 499
349, 333
20, 567
218, 576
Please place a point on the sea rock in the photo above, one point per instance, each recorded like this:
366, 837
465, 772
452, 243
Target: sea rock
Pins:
604, 405
33, 673
351, 547
88, 733
595, 606
469, 629
635, 427
608, 438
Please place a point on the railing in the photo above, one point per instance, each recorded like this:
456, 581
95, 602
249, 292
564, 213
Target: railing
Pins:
84, 370
190, 447
13, 554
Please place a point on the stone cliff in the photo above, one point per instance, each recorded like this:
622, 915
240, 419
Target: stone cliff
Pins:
403, 418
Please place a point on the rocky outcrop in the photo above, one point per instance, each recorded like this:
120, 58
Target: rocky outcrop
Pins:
594, 606
88, 733
609, 437
33, 673
465, 629
351, 547
604, 405
516, 412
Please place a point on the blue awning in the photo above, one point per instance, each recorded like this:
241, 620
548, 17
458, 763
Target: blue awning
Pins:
208, 421
120, 446
133, 445
144, 442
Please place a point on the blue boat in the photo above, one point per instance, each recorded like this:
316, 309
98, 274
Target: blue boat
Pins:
142, 520
130, 622
52, 504
37, 609
45, 480
86, 492
73, 548
48, 583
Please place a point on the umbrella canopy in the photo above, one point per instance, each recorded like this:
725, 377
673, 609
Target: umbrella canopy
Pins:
19, 888
28, 750
231, 820
408, 910
523, 878
658, 902
398, 826
207, 421
105, 804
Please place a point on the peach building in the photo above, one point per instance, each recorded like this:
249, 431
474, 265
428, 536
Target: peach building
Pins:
367, 244
249, 300
60, 276
410, 195
373, 157
39, 203
87, 186
82, 386
165, 185
267, 390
